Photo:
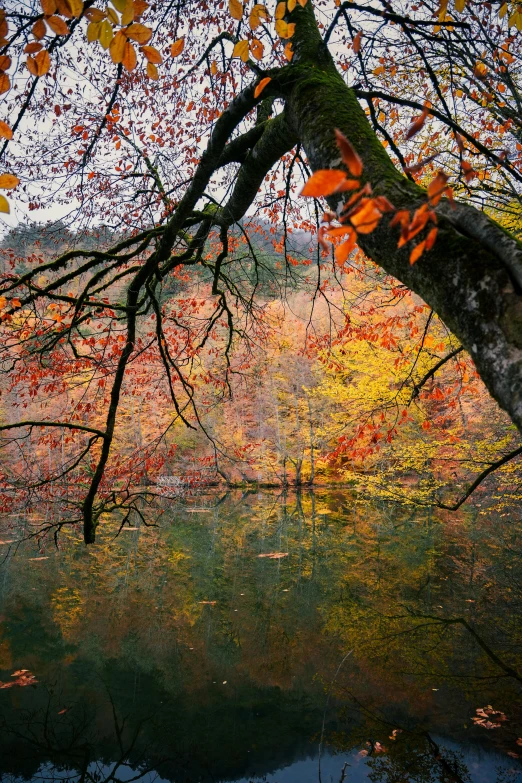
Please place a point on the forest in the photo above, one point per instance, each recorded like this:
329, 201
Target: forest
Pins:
260, 381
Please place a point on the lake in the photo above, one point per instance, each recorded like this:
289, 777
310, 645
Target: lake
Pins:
298, 638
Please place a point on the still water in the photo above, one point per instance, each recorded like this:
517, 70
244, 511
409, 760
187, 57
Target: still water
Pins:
300, 639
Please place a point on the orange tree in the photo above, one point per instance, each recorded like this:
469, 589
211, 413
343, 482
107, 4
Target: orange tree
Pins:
184, 130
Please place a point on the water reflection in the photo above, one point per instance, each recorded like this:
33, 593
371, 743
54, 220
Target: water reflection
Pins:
249, 638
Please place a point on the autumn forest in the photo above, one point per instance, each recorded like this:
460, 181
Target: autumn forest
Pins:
260, 391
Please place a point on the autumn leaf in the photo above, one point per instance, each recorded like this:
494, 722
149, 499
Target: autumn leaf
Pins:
367, 217
357, 42
283, 29
105, 34
430, 239
152, 55
139, 33
177, 47
257, 49
93, 31
39, 29
417, 251
40, 64
480, 70
468, 170
5, 83
280, 10
289, 53
129, 59
235, 9
416, 125
241, 51
213, 68
323, 182
4, 205
8, 181
5, 130
49, 7
437, 187
5, 60
152, 71
257, 13
342, 252
261, 86
349, 156
31, 48
57, 25
117, 47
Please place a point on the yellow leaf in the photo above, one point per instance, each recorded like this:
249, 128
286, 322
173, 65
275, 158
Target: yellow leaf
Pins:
8, 181
117, 47
460, 5
235, 9
152, 54
152, 71
76, 7
112, 16
5, 130
280, 10
119, 5
291, 5
503, 10
177, 47
129, 59
106, 34
139, 33
283, 29
128, 13
241, 50
257, 49
289, 53
261, 86
4, 205
93, 31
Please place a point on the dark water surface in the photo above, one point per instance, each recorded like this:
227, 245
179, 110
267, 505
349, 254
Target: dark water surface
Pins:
177, 653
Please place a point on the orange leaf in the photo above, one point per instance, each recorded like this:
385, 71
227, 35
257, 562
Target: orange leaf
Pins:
152, 71
367, 218
57, 25
430, 239
235, 9
416, 125
437, 187
289, 51
469, 171
261, 86
343, 251
5, 60
382, 204
257, 49
40, 64
139, 33
30, 48
39, 30
5, 130
348, 184
401, 218
280, 10
177, 47
323, 182
152, 54
8, 181
257, 13
417, 251
348, 154
117, 47
213, 68
48, 7
129, 57
5, 83
357, 42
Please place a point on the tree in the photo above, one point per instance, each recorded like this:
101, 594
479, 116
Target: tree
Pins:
124, 147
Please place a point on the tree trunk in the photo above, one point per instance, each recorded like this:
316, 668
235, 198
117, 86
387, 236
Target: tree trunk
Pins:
472, 277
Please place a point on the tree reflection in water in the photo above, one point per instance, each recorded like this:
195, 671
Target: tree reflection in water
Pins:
179, 653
